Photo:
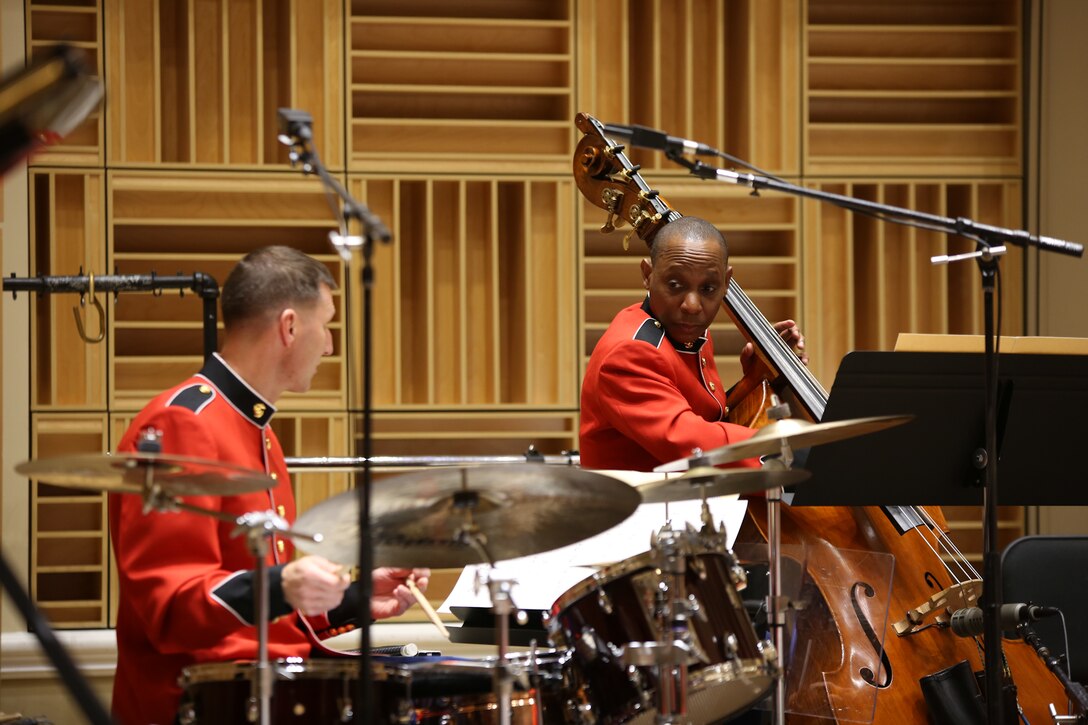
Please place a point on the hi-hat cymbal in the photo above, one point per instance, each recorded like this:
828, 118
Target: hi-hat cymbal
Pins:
418, 518
711, 482
137, 472
798, 433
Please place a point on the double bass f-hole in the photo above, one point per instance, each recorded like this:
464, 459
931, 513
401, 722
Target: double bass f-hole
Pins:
870, 634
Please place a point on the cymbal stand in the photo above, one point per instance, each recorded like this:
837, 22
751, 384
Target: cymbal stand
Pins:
777, 604
502, 605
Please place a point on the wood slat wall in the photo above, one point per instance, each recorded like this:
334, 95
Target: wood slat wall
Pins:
453, 121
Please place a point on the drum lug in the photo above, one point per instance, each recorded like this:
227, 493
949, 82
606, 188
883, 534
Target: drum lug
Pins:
738, 576
604, 601
586, 644
187, 716
695, 608
343, 705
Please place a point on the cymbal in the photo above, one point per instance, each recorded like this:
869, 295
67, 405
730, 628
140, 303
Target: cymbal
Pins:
418, 518
711, 482
798, 433
136, 472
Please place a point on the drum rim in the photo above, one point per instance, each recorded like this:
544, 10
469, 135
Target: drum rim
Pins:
285, 670
612, 572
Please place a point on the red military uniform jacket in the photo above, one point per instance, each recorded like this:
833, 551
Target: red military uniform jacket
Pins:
186, 584
647, 400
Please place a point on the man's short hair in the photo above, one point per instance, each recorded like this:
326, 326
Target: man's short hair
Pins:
268, 280
686, 228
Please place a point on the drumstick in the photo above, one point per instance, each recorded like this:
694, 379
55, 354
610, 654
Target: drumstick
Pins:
427, 608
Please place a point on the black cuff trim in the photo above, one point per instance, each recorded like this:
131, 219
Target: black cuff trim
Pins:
237, 594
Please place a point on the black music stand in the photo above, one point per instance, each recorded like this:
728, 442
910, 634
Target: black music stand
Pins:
1041, 425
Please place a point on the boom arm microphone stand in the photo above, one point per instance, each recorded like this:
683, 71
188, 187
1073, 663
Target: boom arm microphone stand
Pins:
990, 242
297, 133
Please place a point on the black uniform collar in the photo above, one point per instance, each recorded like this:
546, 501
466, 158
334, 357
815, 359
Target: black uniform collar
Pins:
237, 392
692, 347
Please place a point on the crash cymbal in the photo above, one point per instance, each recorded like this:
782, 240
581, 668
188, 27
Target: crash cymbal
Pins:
137, 472
798, 433
711, 482
418, 518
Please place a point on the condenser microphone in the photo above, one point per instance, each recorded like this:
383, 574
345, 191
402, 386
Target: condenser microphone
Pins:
968, 622
650, 138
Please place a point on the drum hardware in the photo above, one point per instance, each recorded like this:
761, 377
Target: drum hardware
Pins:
459, 516
776, 442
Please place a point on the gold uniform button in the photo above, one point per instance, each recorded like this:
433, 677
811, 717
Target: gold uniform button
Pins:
280, 546
712, 387
281, 510
702, 361
274, 476
268, 443
205, 389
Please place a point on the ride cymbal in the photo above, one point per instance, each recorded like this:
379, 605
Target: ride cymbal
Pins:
709, 482
139, 472
768, 440
430, 517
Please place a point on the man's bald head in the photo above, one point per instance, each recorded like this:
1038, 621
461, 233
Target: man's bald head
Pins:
687, 228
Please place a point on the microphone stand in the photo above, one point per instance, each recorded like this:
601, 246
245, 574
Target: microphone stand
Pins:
989, 240
1073, 689
297, 133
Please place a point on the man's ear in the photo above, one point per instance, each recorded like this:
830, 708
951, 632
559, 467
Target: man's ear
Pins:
647, 268
286, 325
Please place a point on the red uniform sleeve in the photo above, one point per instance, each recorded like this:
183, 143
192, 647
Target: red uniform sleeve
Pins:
172, 563
641, 400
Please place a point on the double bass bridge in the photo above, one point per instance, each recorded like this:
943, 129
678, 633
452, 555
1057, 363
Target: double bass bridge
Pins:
940, 606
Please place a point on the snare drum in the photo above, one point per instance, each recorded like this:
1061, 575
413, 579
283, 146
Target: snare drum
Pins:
462, 692
601, 615
315, 692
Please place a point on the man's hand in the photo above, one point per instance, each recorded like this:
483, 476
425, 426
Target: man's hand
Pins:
790, 334
314, 585
390, 596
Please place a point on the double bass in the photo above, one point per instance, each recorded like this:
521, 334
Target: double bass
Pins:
931, 577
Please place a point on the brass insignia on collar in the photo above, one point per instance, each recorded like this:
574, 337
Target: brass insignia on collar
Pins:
258, 410
689, 345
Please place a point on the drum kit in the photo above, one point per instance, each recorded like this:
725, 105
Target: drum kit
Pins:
662, 637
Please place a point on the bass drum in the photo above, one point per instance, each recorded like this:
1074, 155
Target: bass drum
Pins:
462, 691
314, 692
601, 615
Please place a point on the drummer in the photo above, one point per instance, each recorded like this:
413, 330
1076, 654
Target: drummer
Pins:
651, 392
186, 582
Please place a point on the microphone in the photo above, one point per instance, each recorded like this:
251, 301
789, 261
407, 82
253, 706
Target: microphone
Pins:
44, 102
650, 138
968, 622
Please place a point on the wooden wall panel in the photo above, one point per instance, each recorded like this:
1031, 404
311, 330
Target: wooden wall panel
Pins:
867, 281
198, 82
66, 233
477, 86
912, 88
69, 560
475, 300
723, 72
